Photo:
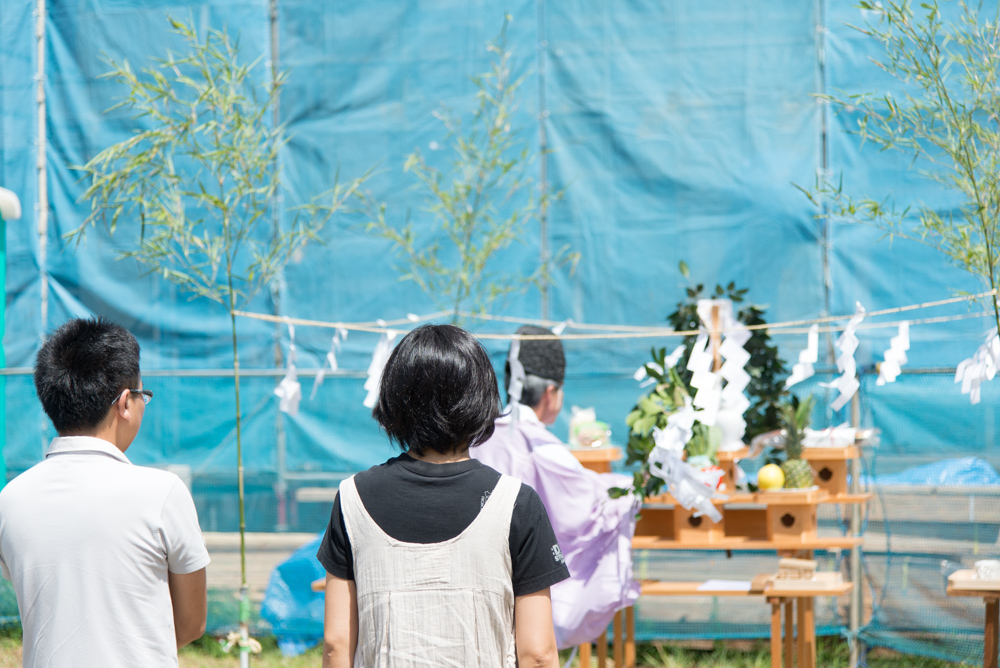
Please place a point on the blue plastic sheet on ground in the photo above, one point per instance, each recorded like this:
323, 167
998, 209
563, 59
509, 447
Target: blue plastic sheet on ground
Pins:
959, 472
293, 609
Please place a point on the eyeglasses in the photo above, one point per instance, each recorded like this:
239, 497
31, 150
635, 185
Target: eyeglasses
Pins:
147, 395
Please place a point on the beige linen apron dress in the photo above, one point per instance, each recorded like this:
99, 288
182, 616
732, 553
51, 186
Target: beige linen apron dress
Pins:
446, 605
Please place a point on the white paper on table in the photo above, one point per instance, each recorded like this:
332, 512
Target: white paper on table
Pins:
725, 585
831, 437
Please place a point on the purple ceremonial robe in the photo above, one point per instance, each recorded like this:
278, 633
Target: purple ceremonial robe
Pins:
594, 530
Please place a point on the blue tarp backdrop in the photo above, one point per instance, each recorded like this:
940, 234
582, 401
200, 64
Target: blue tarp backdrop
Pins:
675, 131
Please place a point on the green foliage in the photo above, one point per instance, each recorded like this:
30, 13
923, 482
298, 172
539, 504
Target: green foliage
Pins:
200, 178
673, 387
481, 205
201, 175
944, 118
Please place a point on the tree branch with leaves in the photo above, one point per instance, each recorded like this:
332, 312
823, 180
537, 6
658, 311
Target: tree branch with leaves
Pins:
197, 182
481, 205
945, 117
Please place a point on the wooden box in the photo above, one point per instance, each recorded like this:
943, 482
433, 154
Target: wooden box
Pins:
830, 467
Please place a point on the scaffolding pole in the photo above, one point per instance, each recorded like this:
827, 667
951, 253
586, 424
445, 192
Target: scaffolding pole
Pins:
856, 576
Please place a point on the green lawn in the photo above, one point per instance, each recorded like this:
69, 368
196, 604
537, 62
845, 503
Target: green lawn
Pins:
833, 653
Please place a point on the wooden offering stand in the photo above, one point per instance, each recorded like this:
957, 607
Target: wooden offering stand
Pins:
964, 583
597, 459
783, 521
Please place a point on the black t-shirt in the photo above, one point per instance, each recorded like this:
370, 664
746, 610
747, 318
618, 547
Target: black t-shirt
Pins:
420, 502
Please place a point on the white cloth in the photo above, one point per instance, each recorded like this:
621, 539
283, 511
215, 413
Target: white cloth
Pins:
447, 604
87, 539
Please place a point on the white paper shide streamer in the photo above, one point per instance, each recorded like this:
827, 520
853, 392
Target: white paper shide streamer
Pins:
722, 405
381, 355
691, 488
847, 383
339, 336
981, 366
516, 384
803, 369
895, 356
289, 390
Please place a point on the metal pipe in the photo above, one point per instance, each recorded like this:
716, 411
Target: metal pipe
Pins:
42, 208
856, 576
543, 114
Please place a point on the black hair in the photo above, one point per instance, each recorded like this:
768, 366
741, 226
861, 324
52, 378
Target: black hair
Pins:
80, 370
438, 391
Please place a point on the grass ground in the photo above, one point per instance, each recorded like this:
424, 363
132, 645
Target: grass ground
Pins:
833, 653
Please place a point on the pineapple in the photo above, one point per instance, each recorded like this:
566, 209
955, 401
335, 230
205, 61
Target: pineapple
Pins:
796, 418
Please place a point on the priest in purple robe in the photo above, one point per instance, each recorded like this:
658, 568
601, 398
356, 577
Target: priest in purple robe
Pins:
594, 530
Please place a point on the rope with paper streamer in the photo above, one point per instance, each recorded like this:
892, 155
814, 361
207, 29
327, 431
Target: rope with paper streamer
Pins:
711, 393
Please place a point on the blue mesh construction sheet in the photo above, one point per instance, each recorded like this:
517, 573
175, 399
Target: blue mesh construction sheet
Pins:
675, 131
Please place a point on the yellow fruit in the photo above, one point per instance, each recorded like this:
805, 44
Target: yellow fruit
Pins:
770, 477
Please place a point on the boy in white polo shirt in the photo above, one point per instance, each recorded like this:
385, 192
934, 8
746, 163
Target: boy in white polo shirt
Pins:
107, 559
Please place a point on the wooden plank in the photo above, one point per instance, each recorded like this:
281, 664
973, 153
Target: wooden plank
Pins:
630, 637
992, 626
584, 655
664, 588
800, 644
776, 636
745, 543
848, 452
809, 631
789, 632
984, 594
617, 639
602, 651
594, 455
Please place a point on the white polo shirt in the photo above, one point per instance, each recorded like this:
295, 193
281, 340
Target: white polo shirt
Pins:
87, 540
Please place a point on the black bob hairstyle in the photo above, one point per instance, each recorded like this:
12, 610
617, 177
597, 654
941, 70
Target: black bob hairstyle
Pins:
438, 391
80, 370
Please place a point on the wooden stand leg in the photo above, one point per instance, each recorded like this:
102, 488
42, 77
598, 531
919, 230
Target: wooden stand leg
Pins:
617, 646
776, 633
800, 640
809, 632
602, 651
990, 633
584, 655
789, 633
630, 637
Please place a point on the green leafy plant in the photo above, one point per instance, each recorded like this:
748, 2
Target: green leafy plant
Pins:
672, 388
197, 183
481, 205
766, 369
795, 417
943, 116
668, 396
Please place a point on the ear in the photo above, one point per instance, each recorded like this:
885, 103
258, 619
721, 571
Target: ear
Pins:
121, 406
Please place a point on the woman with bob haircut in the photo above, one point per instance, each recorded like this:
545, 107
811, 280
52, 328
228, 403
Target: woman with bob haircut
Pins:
432, 558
